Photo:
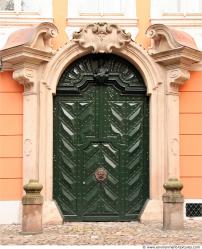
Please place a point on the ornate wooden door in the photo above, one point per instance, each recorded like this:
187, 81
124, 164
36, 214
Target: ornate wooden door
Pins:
101, 170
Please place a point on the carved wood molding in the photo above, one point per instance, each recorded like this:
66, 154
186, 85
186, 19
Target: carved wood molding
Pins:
102, 37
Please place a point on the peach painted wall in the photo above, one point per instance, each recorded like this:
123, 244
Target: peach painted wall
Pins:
11, 114
143, 16
60, 15
191, 136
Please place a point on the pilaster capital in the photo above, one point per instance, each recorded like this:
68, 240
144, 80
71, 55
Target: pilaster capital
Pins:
25, 76
175, 78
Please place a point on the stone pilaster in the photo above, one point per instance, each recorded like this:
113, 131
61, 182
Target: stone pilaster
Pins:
27, 76
175, 77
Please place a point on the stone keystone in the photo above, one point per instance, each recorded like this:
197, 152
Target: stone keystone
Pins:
102, 37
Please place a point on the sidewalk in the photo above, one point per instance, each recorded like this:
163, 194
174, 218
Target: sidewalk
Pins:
104, 233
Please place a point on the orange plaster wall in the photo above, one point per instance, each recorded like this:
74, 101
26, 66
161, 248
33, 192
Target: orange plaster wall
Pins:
60, 16
11, 114
143, 16
191, 136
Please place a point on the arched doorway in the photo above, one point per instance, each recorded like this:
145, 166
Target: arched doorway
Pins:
164, 67
101, 140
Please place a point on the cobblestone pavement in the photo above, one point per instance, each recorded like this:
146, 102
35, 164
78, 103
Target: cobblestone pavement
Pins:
104, 233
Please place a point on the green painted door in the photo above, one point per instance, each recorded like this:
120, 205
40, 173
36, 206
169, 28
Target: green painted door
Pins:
101, 170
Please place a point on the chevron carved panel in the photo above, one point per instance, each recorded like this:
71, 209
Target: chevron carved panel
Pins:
74, 116
101, 198
65, 153
135, 196
126, 121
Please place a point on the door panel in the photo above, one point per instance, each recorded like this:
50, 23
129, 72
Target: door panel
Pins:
101, 132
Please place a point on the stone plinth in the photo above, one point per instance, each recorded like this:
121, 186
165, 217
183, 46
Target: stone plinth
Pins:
173, 205
32, 208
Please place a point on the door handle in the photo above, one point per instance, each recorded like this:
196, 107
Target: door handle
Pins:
100, 174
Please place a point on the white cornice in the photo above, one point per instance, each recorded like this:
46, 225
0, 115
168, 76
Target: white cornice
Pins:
179, 21
82, 21
22, 21
74, 24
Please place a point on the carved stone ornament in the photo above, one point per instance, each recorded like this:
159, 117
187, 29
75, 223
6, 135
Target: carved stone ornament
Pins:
102, 37
25, 76
25, 50
172, 47
178, 76
38, 37
27, 147
173, 184
33, 196
164, 38
176, 51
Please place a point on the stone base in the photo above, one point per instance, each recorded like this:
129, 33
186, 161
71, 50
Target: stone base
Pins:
32, 219
153, 211
173, 216
51, 214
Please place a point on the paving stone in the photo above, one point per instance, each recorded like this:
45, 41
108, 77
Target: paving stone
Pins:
104, 233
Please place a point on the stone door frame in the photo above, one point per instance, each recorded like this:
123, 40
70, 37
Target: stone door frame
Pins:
38, 67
